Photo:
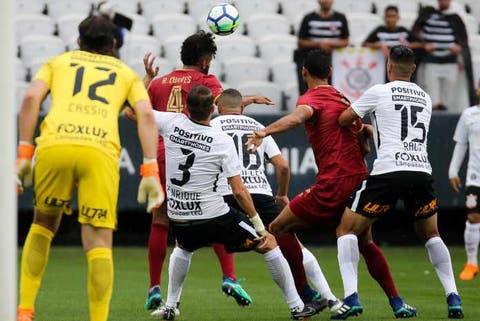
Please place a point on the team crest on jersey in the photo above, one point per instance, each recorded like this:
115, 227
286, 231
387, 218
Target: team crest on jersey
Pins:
471, 201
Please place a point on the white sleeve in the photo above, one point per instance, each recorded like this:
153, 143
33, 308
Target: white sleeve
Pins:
271, 147
230, 164
367, 102
461, 131
457, 159
163, 119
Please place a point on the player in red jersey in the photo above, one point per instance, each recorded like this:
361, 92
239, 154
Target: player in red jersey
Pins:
341, 169
168, 93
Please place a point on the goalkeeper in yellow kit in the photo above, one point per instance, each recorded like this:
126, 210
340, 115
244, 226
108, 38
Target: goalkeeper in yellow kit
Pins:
78, 149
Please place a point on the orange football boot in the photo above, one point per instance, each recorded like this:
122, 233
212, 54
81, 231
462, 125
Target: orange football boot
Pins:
469, 272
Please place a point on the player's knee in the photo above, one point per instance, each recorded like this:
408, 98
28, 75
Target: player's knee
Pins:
267, 245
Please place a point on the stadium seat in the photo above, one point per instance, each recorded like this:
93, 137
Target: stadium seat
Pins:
127, 7
20, 87
347, 6
140, 25
165, 25
404, 7
283, 72
29, 7
40, 48
20, 70
58, 8
251, 7
72, 43
407, 19
235, 46
360, 25
171, 47
137, 45
34, 67
67, 26
33, 24
259, 25
238, 70
151, 8
199, 9
290, 96
293, 9
474, 42
262, 88
476, 68
165, 66
277, 47
471, 23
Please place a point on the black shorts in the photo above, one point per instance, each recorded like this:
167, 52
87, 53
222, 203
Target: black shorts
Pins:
265, 205
378, 194
471, 201
233, 230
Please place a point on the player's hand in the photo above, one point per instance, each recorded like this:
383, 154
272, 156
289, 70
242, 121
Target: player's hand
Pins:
130, 114
150, 186
455, 49
262, 100
148, 61
282, 200
255, 140
263, 242
23, 164
456, 183
428, 47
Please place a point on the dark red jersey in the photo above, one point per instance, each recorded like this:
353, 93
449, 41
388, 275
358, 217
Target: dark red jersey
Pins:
336, 149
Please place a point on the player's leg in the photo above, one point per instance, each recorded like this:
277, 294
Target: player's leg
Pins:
471, 234
35, 255
157, 247
287, 221
53, 184
439, 256
378, 268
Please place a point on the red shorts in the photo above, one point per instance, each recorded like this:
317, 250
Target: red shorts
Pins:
325, 201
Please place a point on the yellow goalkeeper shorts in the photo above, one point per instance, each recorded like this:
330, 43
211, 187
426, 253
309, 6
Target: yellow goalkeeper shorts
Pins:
59, 170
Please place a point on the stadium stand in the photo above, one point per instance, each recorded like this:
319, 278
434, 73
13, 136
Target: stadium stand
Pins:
235, 45
140, 24
251, 7
151, 8
127, 6
21, 71
358, 23
136, 45
67, 26
283, 72
277, 47
265, 88
33, 24
259, 25
165, 25
39, 47
58, 8
30, 6
242, 69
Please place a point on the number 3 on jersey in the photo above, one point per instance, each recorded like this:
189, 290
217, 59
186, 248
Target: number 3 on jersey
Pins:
184, 168
174, 103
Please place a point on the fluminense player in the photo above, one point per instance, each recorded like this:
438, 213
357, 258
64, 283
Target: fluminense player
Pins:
400, 111
168, 93
467, 136
341, 169
196, 156
238, 126
78, 149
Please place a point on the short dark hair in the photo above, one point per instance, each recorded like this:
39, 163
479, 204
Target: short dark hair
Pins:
392, 8
96, 34
402, 58
197, 46
200, 102
230, 98
318, 63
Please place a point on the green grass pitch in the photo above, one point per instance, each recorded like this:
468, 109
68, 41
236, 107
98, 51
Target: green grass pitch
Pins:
63, 293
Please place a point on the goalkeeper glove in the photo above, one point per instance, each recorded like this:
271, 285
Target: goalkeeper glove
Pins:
24, 165
150, 186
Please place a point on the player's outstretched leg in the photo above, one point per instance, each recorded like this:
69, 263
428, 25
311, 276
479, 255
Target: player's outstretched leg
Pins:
401, 309
351, 306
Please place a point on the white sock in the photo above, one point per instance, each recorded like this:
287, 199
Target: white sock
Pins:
177, 271
281, 274
440, 258
315, 275
348, 257
472, 237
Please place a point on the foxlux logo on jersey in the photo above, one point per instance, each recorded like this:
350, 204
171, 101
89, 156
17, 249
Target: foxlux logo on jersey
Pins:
410, 103
191, 139
182, 203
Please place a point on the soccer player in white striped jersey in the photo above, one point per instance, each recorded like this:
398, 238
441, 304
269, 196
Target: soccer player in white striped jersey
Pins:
196, 155
467, 136
302, 262
400, 112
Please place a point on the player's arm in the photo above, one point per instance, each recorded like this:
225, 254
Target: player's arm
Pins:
299, 116
151, 71
456, 162
282, 173
256, 99
30, 110
347, 117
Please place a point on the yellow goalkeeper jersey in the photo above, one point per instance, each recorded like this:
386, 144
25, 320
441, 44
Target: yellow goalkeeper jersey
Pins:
88, 91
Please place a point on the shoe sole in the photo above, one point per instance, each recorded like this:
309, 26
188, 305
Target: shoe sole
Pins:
405, 315
230, 291
353, 312
455, 313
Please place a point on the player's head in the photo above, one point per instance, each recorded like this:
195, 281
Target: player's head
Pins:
198, 50
391, 16
200, 103
230, 101
97, 35
443, 4
401, 63
325, 5
317, 64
